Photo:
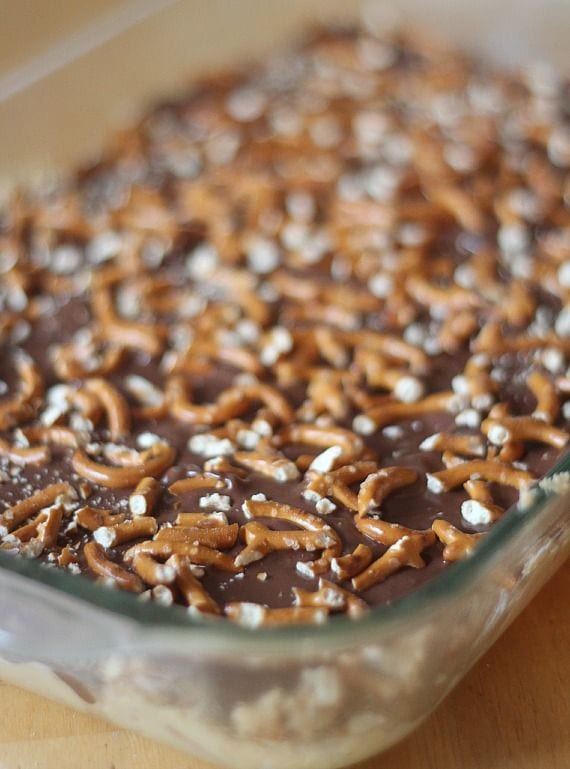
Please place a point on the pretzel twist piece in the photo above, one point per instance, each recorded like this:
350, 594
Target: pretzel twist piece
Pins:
458, 544
377, 486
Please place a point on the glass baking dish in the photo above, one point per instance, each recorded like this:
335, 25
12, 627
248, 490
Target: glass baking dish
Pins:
304, 697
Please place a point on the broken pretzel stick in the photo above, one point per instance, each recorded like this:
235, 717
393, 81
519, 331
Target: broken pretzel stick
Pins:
153, 462
198, 554
260, 541
254, 615
464, 445
488, 470
111, 536
196, 482
405, 552
330, 596
33, 455
99, 564
217, 537
347, 566
114, 404
519, 429
547, 401
377, 486
145, 496
151, 571
458, 544
191, 588
270, 464
13, 516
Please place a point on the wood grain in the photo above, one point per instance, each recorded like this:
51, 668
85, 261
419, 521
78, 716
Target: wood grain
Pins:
512, 711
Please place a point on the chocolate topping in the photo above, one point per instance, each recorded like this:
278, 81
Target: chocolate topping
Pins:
284, 286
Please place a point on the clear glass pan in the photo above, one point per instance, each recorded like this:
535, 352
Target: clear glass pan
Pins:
299, 697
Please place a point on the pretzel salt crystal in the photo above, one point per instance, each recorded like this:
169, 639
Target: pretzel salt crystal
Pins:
547, 401
272, 465
143, 499
111, 536
377, 486
33, 455
99, 564
260, 541
153, 462
200, 555
254, 615
191, 588
114, 404
152, 572
457, 543
218, 537
347, 566
405, 552
465, 445
488, 470
26, 508
330, 596
509, 429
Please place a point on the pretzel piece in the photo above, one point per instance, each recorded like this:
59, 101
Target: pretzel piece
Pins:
103, 567
331, 597
33, 455
488, 470
260, 541
347, 566
254, 615
217, 537
377, 486
145, 496
152, 462
191, 588
458, 544
464, 445
196, 482
114, 404
547, 401
405, 552
111, 536
509, 429
391, 413
271, 465
198, 554
152, 572
26, 508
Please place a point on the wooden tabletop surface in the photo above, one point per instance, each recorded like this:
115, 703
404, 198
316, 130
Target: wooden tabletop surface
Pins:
512, 711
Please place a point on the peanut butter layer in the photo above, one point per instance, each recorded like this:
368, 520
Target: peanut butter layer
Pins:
296, 341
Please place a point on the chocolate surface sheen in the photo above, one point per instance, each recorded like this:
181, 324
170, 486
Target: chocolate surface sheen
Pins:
296, 341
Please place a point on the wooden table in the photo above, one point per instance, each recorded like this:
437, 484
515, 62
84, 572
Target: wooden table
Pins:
512, 711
